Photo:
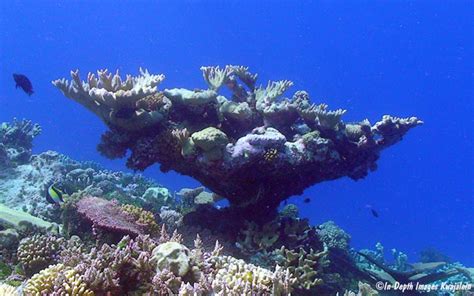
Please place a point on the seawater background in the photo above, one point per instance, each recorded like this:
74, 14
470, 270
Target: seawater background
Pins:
389, 57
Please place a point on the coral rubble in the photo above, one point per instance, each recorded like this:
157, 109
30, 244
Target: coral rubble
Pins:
255, 148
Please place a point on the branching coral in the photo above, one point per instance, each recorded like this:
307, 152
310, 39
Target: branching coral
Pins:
303, 265
235, 277
143, 266
57, 280
39, 251
221, 141
7, 290
114, 100
171, 218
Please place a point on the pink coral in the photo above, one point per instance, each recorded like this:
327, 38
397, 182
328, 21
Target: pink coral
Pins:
108, 215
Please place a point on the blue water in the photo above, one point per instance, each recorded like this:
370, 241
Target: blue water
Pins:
373, 58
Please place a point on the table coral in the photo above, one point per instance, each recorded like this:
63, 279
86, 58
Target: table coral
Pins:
255, 149
108, 216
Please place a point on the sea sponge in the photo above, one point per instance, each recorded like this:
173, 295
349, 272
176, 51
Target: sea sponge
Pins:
39, 251
172, 256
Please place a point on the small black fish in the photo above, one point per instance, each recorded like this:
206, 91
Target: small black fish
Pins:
374, 213
23, 82
307, 200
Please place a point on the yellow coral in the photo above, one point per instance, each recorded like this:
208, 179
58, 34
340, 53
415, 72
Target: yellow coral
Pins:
43, 282
142, 217
57, 278
7, 290
73, 285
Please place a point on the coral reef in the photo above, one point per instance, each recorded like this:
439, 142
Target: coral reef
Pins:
15, 225
16, 141
246, 149
401, 271
134, 238
23, 184
148, 265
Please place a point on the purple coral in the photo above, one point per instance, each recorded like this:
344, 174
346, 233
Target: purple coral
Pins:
108, 216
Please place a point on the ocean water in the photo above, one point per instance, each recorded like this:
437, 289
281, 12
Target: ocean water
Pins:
403, 58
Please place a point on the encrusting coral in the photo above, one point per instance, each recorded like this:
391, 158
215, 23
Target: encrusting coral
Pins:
221, 142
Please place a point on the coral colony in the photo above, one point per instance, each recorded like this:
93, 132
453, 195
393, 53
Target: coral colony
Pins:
110, 233
255, 149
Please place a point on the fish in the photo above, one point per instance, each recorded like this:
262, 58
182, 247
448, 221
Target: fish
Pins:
374, 213
54, 195
307, 200
24, 83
